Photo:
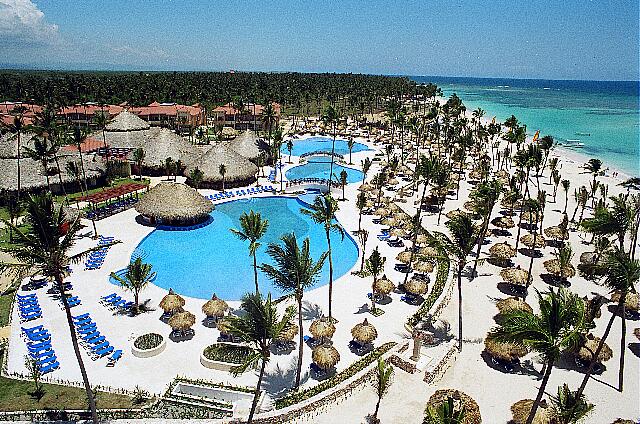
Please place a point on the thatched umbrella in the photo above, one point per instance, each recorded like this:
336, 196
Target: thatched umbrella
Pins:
553, 266
527, 240
325, 356
530, 216
588, 258
460, 400
389, 221
402, 216
382, 212
392, 182
215, 307
182, 320
170, 202
590, 346
322, 328
365, 187
429, 251
171, 302
127, 121
512, 304
289, 333
364, 332
239, 170
455, 212
393, 207
520, 410
404, 256
162, 143
398, 232
223, 325
502, 251
630, 303
504, 351
383, 286
517, 276
423, 266
415, 286
470, 206
556, 233
504, 222
421, 239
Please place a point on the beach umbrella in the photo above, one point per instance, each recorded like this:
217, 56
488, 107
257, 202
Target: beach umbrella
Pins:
364, 332
470, 206
590, 346
325, 356
382, 212
386, 200
503, 350
455, 212
322, 328
402, 216
215, 307
503, 222
508, 202
630, 303
421, 239
515, 276
553, 267
389, 221
502, 251
588, 258
398, 232
182, 320
502, 174
365, 187
289, 333
393, 182
393, 207
429, 251
513, 304
520, 410
171, 302
415, 286
404, 256
556, 232
461, 401
423, 266
527, 240
383, 286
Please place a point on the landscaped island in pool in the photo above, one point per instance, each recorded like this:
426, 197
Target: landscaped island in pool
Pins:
322, 144
319, 168
211, 259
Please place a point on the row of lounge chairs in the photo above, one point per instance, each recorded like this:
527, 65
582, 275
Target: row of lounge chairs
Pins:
38, 341
96, 258
28, 307
245, 192
112, 208
95, 343
115, 302
391, 241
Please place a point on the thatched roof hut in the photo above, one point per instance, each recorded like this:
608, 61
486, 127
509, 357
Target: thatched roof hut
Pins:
364, 332
511, 304
460, 400
586, 351
415, 286
528, 240
246, 145
325, 356
174, 203
631, 301
502, 251
127, 121
423, 266
288, 333
172, 302
504, 222
520, 410
239, 170
215, 307
503, 350
182, 320
515, 276
322, 328
383, 286
553, 267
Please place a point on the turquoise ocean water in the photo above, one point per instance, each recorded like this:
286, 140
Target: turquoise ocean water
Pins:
604, 115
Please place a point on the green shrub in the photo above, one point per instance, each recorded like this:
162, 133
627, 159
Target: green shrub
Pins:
226, 353
436, 291
350, 371
148, 341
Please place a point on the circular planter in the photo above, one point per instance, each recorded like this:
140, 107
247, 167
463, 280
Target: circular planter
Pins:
218, 365
148, 353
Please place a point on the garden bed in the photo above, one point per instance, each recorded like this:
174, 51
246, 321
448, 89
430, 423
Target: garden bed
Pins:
224, 356
148, 345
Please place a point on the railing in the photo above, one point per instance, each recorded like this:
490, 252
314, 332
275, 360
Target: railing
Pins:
321, 153
320, 181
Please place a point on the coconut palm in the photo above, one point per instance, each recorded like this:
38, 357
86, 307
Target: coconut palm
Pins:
611, 221
277, 145
196, 176
76, 137
621, 274
484, 197
594, 167
323, 212
257, 328
381, 383
556, 329
73, 169
17, 126
14, 210
350, 145
138, 158
569, 408
374, 266
444, 413
365, 165
222, 170
565, 186
43, 247
253, 228
290, 148
294, 272
138, 275
331, 117
361, 203
343, 180
41, 152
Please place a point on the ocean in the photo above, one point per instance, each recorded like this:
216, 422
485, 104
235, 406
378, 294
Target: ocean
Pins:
603, 115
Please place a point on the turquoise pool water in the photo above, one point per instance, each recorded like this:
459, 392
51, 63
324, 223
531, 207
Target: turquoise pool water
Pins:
319, 168
312, 144
209, 260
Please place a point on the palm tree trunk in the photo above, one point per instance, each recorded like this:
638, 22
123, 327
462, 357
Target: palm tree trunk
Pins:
375, 413
55, 158
76, 349
373, 295
333, 150
483, 234
330, 274
543, 386
256, 395
460, 268
623, 342
300, 343
255, 272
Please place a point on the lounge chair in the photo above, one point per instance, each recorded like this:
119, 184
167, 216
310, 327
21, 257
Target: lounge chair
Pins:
114, 358
50, 367
96, 341
103, 352
91, 336
48, 360
80, 317
32, 347
31, 317
42, 355
99, 346
40, 336
32, 330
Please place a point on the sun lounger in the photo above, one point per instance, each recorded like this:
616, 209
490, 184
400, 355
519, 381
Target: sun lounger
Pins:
96, 341
40, 336
80, 317
31, 317
99, 346
50, 367
88, 329
103, 352
32, 330
32, 347
48, 360
114, 358
43, 355
27, 296
91, 336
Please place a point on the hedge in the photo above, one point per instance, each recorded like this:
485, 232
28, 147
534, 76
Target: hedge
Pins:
436, 292
350, 371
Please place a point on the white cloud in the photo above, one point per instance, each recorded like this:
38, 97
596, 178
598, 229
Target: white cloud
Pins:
22, 22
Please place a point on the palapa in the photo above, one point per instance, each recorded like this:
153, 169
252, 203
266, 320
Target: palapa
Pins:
630, 303
527, 240
127, 121
288, 333
325, 356
364, 332
389, 221
322, 328
504, 350
504, 222
429, 251
520, 410
590, 346
502, 251
169, 201
515, 276
383, 286
556, 233
382, 212
421, 239
365, 187
238, 168
553, 267
404, 256
513, 304
246, 145
423, 266
215, 307
455, 212
461, 400
182, 320
171, 302
415, 286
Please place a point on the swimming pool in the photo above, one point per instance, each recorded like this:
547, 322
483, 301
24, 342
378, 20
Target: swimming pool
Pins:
323, 144
319, 168
209, 260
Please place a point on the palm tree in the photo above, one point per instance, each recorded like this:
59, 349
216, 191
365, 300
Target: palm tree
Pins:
365, 165
101, 119
268, 119
14, 210
290, 148
565, 186
323, 212
485, 197
42, 247
343, 180
42, 152
361, 203
222, 170
569, 408
594, 167
533, 206
257, 328
331, 117
138, 158
196, 176
278, 138
78, 138
445, 413
381, 383
621, 274
136, 278
615, 221
73, 169
350, 145
294, 272
556, 329
374, 266
253, 228
17, 127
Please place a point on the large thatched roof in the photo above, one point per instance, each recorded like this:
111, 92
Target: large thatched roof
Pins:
238, 168
173, 201
9, 144
127, 121
246, 145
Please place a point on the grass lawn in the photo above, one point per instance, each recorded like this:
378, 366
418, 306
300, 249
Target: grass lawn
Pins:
5, 307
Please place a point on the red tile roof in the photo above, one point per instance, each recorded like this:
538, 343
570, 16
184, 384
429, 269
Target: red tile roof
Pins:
89, 144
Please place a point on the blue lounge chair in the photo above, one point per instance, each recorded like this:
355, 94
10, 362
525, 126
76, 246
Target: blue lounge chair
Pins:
104, 352
99, 346
43, 356
91, 336
38, 337
50, 367
114, 358
46, 361
88, 329
31, 317
96, 341
120, 303
32, 347
112, 301
26, 296
84, 324
32, 330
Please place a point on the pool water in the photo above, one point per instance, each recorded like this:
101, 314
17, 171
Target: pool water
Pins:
319, 168
312, 144
212, 259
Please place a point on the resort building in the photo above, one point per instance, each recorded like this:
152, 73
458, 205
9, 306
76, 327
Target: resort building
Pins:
252, 116
85, 114
8, 110
174, 204
182, 118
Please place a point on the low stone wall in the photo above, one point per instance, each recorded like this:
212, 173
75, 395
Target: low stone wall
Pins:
442, 366
148, 353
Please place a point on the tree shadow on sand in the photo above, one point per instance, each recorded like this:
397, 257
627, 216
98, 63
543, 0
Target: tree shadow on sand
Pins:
280, 380
311, 311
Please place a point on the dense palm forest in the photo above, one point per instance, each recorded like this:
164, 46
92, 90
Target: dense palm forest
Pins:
208, 88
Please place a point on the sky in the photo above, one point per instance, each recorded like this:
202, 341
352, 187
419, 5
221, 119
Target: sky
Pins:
553, 39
